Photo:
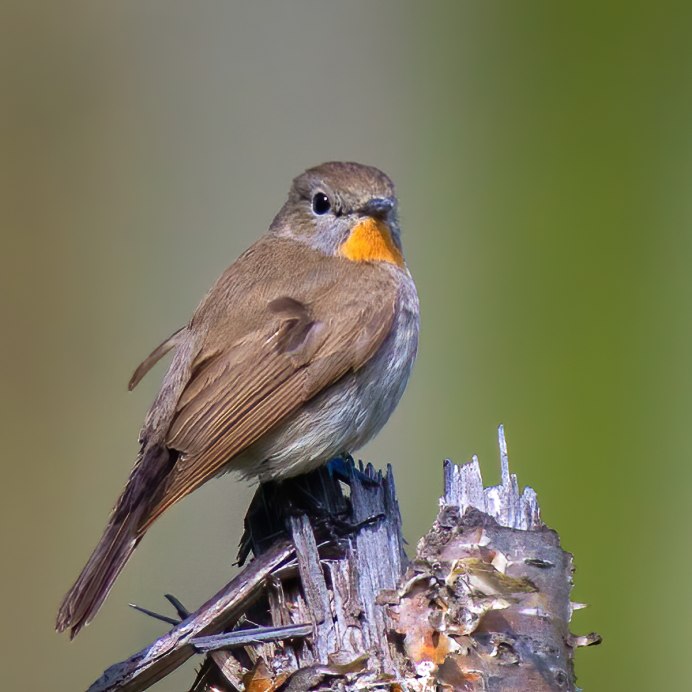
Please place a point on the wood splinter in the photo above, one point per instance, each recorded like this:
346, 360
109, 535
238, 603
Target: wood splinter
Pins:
483, 605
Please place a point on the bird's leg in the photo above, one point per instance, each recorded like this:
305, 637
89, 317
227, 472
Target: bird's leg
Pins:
275, 502
318, 494
344, 468
338, 528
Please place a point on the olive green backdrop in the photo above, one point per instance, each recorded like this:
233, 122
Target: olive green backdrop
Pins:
543, 156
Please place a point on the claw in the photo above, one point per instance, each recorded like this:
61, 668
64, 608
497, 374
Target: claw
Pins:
338, 528
344, 469
319, 494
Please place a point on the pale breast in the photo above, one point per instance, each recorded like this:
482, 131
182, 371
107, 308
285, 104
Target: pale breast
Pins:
382, 381
348, 414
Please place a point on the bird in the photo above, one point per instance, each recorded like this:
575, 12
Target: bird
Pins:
299, 353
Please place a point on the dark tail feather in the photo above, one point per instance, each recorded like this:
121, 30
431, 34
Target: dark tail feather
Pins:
124, 531
96, 580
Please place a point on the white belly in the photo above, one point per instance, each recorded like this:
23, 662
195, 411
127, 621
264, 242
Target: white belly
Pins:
346, 416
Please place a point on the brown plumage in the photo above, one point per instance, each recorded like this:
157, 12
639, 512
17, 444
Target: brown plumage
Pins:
299, 352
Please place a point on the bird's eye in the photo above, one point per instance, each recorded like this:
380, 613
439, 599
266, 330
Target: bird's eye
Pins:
321, 204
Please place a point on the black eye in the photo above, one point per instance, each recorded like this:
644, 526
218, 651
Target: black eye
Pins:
321, 204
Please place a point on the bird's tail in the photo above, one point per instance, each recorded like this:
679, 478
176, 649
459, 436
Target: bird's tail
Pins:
120, 538
87, 594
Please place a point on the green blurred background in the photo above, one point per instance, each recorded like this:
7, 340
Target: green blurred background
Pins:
543, 157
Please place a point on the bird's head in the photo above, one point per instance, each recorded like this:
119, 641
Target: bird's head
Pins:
343, 209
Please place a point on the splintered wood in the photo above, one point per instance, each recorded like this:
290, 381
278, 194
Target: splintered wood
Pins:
484, 604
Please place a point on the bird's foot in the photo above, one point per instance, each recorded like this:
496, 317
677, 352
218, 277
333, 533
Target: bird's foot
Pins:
344, 468
338, 528
319, 494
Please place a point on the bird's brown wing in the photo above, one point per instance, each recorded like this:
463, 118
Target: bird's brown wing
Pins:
155, 356
238, 393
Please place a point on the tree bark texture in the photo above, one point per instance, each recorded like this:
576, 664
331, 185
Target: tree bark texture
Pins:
330, 601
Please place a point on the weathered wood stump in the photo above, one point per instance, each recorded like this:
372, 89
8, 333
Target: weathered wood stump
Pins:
330, 601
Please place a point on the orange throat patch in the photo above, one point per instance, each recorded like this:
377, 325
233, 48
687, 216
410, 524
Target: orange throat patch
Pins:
371, 241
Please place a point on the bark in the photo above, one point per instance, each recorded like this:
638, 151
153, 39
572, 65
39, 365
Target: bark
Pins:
336, 605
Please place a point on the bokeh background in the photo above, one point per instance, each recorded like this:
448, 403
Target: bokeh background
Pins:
543, 157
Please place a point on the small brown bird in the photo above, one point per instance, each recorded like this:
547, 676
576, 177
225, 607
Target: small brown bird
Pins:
299, 353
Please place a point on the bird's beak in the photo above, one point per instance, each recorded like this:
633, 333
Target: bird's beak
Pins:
377, 207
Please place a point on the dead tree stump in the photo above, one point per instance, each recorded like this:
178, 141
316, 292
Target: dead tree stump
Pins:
336, 605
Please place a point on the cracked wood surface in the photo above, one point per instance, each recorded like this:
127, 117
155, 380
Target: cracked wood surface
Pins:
483, 605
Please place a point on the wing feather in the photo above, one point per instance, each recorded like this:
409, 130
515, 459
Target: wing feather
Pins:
155, 356
240, 393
